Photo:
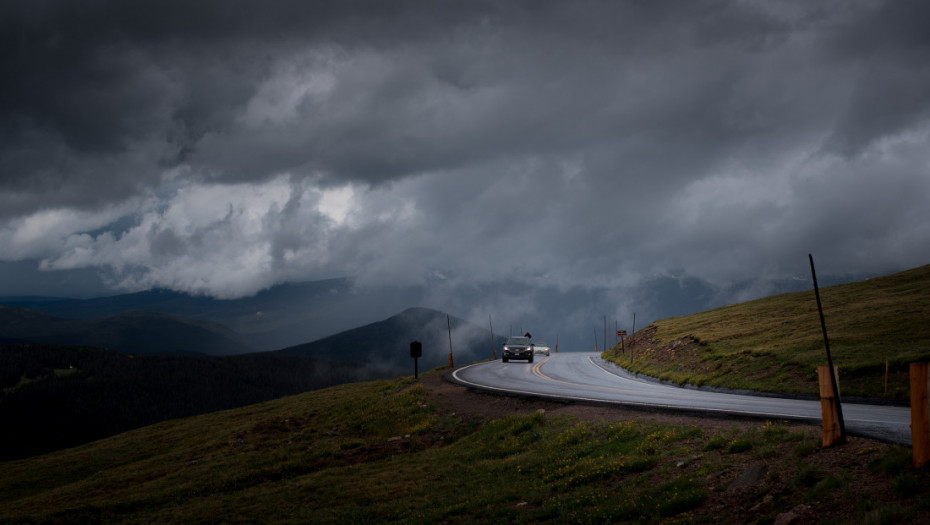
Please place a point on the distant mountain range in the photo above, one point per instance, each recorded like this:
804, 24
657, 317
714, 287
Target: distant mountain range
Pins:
294, 314
132, 332
281, 316
384, 342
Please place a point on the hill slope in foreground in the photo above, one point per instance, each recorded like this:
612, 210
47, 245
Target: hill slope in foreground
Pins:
776, 343
402, 451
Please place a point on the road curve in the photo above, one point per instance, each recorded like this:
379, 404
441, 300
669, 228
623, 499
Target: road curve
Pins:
586, 377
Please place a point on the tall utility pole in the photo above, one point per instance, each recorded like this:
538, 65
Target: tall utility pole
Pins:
605, 333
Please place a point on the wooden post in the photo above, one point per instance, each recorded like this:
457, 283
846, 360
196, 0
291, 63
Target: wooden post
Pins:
605, 333
449, 326
886, 377
632, 333
830, 369
493, 342
829, 407
920, 415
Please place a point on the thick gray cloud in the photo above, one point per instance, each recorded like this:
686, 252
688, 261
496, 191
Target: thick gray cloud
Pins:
219, 147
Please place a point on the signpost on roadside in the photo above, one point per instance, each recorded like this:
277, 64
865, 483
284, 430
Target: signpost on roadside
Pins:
620, 334
416, 352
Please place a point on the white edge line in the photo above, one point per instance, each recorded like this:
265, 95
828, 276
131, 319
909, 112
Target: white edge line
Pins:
650, 405
627, 403
876, 421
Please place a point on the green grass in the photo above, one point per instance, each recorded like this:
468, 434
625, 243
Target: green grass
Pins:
776, 343
381, 452
301, 459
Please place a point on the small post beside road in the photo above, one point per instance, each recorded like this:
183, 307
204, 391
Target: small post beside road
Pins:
920, 415
605, 333
493, 342
829, 408
416, 352
449, 326
886, 377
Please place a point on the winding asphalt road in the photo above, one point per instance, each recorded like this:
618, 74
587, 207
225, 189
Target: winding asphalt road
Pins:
586, 377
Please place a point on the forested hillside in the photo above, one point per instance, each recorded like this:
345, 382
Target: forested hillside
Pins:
55, 397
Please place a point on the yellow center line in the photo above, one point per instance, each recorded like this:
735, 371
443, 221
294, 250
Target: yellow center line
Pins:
537, 370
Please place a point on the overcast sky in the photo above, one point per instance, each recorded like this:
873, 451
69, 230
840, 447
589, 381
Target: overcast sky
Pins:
222, 147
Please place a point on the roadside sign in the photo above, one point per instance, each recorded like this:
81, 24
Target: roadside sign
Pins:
621, 333
416, 352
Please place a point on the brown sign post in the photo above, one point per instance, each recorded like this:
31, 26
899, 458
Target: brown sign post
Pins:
416, 352
621, 334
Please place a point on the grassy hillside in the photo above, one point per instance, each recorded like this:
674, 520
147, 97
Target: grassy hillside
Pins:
776, 343
389, 452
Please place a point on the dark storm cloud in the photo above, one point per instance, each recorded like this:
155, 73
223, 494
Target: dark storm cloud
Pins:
888, 51
221, 147
423, 86
92, 86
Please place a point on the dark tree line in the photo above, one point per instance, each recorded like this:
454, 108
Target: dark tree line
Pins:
55, 397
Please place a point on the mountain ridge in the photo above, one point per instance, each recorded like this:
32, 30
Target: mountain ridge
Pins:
388, 340
128, 332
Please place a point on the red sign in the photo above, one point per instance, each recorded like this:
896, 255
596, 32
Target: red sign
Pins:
621, 333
